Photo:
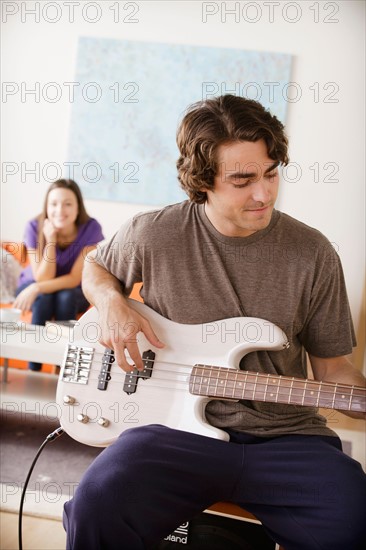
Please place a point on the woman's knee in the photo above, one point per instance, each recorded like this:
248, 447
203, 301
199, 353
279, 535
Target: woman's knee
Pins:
71, 301
66, 304
43, 300
42, 309
66, 295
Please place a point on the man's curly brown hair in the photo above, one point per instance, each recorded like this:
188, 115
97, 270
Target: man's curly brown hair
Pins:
212, 122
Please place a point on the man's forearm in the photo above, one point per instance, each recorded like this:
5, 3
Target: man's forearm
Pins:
98, 284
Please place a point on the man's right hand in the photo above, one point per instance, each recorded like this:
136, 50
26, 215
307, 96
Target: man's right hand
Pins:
120, 325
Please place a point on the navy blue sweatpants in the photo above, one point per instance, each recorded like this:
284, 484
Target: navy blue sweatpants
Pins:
307, 493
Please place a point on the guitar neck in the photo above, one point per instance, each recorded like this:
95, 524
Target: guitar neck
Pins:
225, 383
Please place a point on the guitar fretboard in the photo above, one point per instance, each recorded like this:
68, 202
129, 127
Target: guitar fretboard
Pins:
229, 383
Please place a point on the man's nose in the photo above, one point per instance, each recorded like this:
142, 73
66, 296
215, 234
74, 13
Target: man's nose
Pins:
261, 191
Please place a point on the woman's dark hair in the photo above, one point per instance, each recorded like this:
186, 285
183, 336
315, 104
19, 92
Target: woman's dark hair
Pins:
82, 216
213, 122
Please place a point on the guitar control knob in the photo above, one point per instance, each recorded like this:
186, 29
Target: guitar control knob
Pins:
83, 418
103, 422
69, 400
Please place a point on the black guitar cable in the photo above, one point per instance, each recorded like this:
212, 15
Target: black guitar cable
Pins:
51, 437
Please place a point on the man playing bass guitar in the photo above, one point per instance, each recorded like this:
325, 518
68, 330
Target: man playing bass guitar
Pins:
226, 252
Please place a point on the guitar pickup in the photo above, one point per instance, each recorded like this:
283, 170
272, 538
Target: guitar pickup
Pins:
104, 375
132, 378
148, 362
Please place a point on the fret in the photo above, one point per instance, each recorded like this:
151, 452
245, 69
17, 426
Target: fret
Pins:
291, 388
265, 391
303, 394
234, 384
217, 382
278, 390
334, 396
223, 384
225, 381
219, 386
200, 383
350, 398
319, 390
255, 386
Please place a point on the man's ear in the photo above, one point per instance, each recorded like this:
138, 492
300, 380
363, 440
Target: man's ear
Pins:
204, 190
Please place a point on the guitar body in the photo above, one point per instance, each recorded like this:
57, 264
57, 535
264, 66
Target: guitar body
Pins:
98, 401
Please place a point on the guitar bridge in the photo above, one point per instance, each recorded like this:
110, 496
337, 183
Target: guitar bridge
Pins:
77, 363
132, 378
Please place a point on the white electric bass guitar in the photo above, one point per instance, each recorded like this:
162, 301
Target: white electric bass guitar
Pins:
97, 400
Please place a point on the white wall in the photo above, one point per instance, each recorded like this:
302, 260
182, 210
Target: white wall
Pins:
328, 49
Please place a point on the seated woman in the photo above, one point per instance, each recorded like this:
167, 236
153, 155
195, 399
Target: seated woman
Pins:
57, 242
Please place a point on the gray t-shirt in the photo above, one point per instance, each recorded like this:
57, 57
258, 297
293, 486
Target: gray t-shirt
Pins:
288, 274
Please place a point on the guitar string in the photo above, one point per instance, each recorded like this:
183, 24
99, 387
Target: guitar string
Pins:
183, 365
233, 370
241, 373
268, 376
212, 384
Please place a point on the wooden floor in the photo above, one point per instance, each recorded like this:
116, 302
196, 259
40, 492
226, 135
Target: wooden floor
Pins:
38, 533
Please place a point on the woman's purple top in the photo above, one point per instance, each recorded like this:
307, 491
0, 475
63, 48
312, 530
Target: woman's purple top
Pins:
90, 233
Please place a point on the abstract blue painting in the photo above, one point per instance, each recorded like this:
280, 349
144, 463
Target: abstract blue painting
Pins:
129, 98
